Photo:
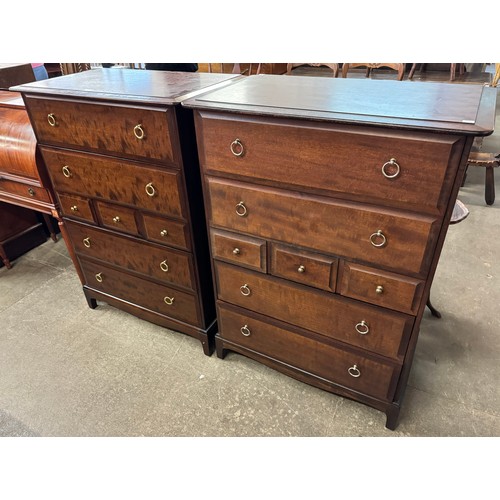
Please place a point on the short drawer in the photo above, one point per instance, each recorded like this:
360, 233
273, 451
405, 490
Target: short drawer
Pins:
239, 249
394, 291
309, 268
76, 207
154, 261
141, 292
32, 193
378, 330
400, 241
134, 184
117, 217
135, 132
166, 231
281, 342
397, 167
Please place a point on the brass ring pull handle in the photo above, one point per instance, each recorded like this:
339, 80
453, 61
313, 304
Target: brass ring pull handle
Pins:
362, 328
31, 192
139, 132
116, 219
245, 290
379, 235
168, 300
86, 242
245, 331
354, 371
51, 118
74, 208
301, 269
236, 148
98, 277
150, 190
164, 266
164, 233
66, 171
241, 210
379, 289
393, 167
236, 251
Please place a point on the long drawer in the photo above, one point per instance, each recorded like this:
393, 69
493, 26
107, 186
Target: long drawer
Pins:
158, 190
32, 193
155, 261
400, 167
278, 341
397, 240
158, 298
127, 131
381, 331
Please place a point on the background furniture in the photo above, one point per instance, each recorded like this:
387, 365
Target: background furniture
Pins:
453, 70
328, 206
333, 66
14, 74
121, 154
489, 161
399, 67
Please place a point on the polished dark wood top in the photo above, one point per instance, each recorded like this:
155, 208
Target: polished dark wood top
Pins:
445, 107
11, 99
129, 85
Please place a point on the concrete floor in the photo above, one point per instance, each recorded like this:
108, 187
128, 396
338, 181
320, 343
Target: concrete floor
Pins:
67, 370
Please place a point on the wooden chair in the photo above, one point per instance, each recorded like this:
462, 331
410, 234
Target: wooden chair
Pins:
333, 66
489, 161
453, 70
399, 67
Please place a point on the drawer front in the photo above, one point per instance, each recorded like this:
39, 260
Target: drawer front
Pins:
158, 298
396, 240
153, 261
104, 128
334, 159
76, 207
238, 249
166, 231
352, 370
32, 193
133, 184
394, 291
118, 218
309, 268
380, 331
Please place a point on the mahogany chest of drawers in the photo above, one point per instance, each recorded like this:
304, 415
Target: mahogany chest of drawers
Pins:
121, 155
328, 202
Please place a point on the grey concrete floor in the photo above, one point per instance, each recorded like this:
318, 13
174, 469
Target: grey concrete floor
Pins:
67, 370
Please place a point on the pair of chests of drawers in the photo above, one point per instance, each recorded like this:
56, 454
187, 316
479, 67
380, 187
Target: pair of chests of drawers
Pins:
322, 238
117, 172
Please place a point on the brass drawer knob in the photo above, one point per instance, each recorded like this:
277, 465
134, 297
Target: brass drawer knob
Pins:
236, 251
139, 132
379, 289
66, 171
245, 331
164, 266
236, 148
150, 190
362, 328
354, 371
164, 233
51, 118
86, 242
301, 269
378, 239
241, 209
116, 219
245, 290
74, 208
98, 277
391, 169
168, 300
31, 192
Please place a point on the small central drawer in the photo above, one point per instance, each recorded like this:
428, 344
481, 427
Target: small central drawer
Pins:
155, 261
135, 132
309, 268
283, 343
166, 231
118, 218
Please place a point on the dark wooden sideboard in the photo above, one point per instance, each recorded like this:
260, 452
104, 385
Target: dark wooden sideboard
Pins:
121, 155
328, 203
